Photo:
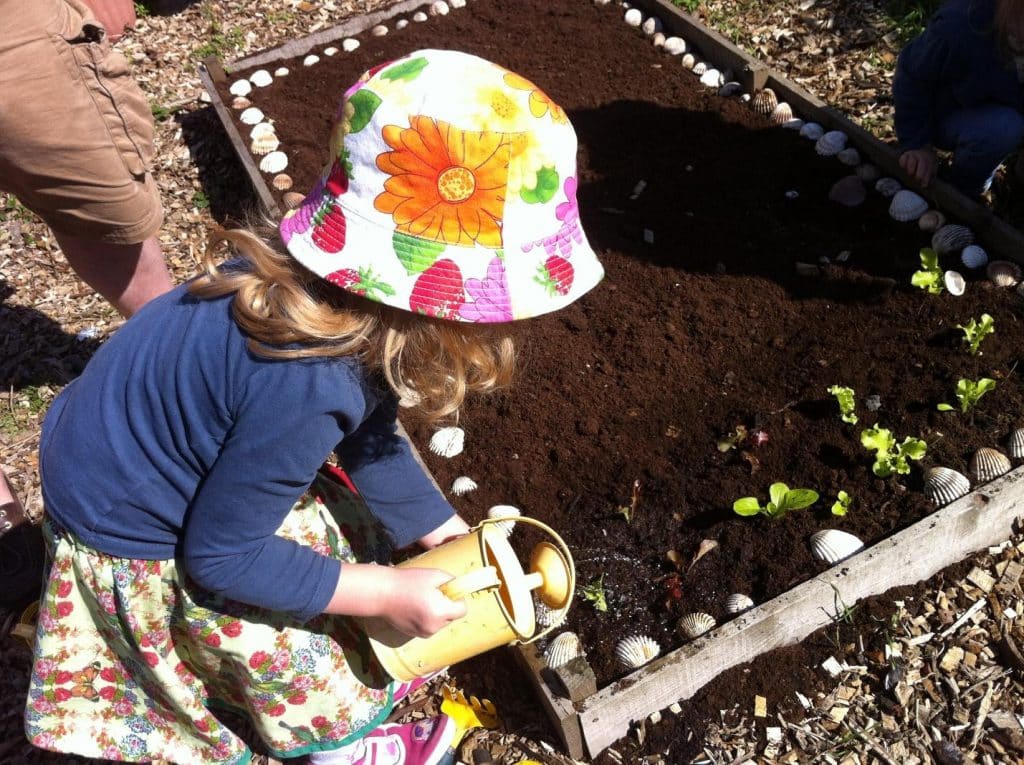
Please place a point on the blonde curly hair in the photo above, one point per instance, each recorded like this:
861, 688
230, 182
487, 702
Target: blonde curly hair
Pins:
278, 303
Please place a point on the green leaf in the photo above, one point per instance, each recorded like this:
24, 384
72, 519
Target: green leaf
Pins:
878, 439
415, 254
547, 185
407, 70
594, 593
365, 103
747, 506
913, 448
798, 499
777, 494
944, 408
929, 259
842, 503
985, 384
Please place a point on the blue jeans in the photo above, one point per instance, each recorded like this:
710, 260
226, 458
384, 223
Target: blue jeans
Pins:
980, 139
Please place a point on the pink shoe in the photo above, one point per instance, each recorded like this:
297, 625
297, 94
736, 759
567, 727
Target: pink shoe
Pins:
426, 742
403, 688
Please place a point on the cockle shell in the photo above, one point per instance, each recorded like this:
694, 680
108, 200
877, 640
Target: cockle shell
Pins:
931, 221
830, 143
251, 116
419, 17
696, 624
849, 156
867, 172
401, 24
782, 113
331, 51
907, 205
448, 442
1015, 446
887, 187
812, 131
240, 102
281, 71
987, 464
730, 88
793, 124
282, 182
274, 162
764, 102
675, 46
832, 545
699, 68
504, 511
463, 485
260, 78
439, 8
349, 44
1003, 273
292, 200
240, 88
262, 129
951, 238
942, 485
636, 650
712, 78
264, 143
737, 603
658, 40
562, 649
848, 191
955, 283
456, 4
973, 256
311, 59
380, 30
546, 615
688, 61
634, 17
651, 26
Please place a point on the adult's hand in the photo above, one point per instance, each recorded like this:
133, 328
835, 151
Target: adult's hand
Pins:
114, 15
920, 164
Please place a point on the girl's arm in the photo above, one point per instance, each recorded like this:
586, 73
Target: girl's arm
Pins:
453, 527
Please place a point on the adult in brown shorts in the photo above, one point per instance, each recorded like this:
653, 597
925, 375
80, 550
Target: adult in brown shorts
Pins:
76, 140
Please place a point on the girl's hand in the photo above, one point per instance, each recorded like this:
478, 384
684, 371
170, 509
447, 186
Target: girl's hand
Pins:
920, 164
414, 603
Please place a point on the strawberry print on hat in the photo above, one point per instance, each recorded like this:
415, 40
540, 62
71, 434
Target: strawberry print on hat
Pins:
451, 193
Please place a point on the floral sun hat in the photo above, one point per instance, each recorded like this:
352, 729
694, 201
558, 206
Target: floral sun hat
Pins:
451, 192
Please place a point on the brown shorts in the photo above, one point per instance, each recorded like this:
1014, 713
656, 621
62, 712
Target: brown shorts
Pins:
76, 132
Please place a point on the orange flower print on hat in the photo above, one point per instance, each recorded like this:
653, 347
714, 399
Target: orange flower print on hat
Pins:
447, 184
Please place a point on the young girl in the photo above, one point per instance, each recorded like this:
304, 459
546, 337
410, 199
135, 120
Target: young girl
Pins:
198, 556
958, 87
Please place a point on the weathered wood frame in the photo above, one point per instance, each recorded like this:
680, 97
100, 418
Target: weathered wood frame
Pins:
982, 518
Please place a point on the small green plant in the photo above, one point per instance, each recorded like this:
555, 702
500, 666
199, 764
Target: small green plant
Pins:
968, 392
890, 458
594, 593
930, 276
781, 500
976, 331
141, 10
847, 402
687, 5
200, 200
842, 503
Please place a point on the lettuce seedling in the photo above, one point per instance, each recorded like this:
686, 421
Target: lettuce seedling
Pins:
782, 499
842, 503
930, 276
890, 458
594, 592
976, 331
968, 392
847, 402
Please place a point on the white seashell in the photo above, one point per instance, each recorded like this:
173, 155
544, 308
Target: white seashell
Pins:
887, 187
1015, 446
848, 191
282, 182
737, 603
988, 464
1003, 273
260, 78
730, 89
907, 205
563, 649
251, 116
973, 256
264, 144
832, 545
849, 156
830, 143
689, 61
448, 442
634, 17
696, 624
419, 17
380, 30
951, 238
674, 46
504, 511
651, 26
812, 131
699, 68
636, 650
331, 51
274, 162
463, 485
931, 221
745, 98
867, 172
401, 23
658, 40
547, 616
955, 283
281, 71
408, 398
456, 4
794, 123
439, 8
262, 129
712, 78
349, 44
942, 485
292, 200
311, 59
240, 88
764, 102
782, 113
240, 102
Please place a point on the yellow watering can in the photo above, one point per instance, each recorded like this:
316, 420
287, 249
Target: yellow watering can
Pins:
489, 577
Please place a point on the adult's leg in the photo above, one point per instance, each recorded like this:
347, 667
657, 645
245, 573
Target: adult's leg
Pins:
980, 138
128, 275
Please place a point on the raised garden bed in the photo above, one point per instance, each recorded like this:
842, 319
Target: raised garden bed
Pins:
708, 327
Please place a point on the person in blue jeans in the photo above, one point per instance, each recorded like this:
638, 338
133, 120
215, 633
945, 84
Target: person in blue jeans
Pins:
958, 87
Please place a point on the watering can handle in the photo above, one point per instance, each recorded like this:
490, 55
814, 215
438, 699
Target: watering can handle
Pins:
473, 581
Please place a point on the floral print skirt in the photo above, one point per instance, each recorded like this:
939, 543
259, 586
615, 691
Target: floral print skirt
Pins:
133, 660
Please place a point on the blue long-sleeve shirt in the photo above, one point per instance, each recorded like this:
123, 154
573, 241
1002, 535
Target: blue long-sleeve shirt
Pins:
954, 64
178, 442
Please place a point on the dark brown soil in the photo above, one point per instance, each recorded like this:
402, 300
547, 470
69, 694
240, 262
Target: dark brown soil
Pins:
706, 329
